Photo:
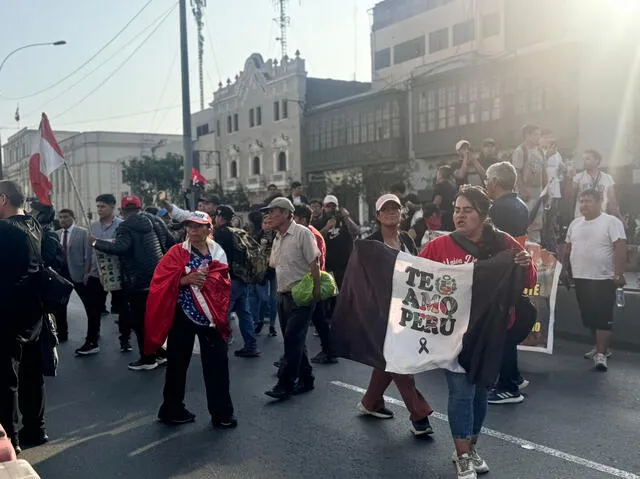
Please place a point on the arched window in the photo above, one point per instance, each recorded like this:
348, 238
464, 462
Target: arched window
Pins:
282, 161
234, 169
255, 165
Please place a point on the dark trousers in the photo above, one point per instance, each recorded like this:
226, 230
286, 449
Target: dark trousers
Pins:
62, 325
294, 322
135, 306
95, 297
215, 367
21, 386
509, 372
119, 306
320, 319
373, 399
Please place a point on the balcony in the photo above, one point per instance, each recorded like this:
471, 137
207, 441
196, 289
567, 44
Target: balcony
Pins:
255, 182
280, 179
232, 184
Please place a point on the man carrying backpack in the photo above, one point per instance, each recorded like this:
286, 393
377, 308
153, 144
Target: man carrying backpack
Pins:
238, 258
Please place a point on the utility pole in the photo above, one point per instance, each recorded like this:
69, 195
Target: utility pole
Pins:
197, 7
187, 140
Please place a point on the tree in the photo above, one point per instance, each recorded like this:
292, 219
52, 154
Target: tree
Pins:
148, 175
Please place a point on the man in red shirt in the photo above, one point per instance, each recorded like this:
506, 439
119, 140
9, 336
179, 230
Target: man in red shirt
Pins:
302, 216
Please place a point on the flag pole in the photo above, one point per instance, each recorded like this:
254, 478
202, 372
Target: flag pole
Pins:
77, 192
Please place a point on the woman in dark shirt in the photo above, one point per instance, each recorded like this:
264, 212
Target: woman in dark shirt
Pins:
388, 208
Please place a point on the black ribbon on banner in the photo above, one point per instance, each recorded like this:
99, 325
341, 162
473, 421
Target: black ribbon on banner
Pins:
423, 346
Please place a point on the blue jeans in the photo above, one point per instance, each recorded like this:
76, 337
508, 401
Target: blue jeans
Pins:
239, 304
259, 301
467, 406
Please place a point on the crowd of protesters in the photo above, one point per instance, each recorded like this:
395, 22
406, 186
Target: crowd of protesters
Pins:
180, 272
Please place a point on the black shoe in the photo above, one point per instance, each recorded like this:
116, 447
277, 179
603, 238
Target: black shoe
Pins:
125, 346
247, 353
279, 392
16, 445
230, 423
259, 327
272, 332
421, 427
323, 358
143, 365
33, 438
181, 417
63, 338
303, 386
87, 349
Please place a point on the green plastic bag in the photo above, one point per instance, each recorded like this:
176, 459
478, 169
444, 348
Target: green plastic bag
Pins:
302, 291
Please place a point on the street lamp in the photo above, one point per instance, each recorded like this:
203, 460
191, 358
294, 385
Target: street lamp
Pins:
55, 44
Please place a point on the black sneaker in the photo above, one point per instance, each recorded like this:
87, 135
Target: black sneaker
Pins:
323, 358
382, 413
279, 392
259, 326
87, 349
272, 332
247, 353
230, 423
499, 396
421, 427
33, 438
141, 365
125, 346
303, 386
181, 417
16, 445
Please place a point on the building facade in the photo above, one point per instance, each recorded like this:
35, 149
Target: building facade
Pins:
251, 136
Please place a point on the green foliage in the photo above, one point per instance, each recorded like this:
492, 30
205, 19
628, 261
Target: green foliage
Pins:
148, 175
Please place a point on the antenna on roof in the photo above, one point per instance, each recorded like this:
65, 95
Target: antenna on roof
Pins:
283, 20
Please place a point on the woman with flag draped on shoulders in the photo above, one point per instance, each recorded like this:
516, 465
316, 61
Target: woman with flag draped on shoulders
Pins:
475, 239
389, 216
189, 296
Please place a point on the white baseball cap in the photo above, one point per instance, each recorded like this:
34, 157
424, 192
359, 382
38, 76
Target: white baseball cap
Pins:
462, 143
330, 200
384, 199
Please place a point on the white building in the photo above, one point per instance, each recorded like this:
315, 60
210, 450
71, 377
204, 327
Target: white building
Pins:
95, 159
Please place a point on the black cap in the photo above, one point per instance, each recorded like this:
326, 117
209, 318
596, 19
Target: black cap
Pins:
225, 212
209, 197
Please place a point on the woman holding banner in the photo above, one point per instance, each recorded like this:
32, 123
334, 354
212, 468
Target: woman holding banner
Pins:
388, 212
474, 239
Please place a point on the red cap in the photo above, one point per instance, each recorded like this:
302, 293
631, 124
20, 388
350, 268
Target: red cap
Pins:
131, 202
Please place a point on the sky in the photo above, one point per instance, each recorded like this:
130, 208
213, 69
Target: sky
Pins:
133, 84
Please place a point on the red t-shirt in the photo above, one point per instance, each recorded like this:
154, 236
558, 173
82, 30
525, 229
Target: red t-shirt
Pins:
321, 246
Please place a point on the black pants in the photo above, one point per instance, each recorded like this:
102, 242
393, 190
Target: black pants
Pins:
119, 307
215, 367
135, 306
320, 319
21, 386
95, 297
294, 323
62, 325
509, 372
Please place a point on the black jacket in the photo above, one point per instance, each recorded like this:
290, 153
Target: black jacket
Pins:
139, 248
160, 227
20, 261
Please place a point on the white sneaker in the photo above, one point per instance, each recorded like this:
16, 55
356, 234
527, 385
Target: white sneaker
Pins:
465, 467
600, 361
479, 464
594, 351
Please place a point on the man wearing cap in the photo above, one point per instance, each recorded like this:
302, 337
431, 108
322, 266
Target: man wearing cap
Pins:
339, 231
208, 202
294, 254
139, 249
469, 170
239, 303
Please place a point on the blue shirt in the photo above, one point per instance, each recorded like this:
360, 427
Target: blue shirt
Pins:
185, 296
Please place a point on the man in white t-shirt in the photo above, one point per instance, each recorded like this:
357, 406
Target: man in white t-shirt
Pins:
556, 169
594, 179
597, 252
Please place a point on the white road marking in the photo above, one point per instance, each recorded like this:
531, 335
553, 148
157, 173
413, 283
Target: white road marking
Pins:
515, 440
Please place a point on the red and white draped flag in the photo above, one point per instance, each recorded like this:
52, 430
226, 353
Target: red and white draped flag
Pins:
46, 157
197, 178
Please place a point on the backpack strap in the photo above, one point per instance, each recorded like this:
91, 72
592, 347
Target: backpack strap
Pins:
466, 244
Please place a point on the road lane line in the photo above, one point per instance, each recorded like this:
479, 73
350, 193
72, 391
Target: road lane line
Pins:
532, 446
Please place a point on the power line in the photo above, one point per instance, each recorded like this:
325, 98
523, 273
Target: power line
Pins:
119, 117
164, 88
83, 78
144, 41
86, 62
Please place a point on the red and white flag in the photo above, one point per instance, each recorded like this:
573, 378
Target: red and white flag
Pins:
46, 157
197, 178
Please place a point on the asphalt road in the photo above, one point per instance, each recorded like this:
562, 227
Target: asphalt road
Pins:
575, 423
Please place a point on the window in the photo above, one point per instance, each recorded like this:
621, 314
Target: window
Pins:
285, 109
218, 128
355, 127
438, 40
252, 118
409, 50
229, 124
442, 108
259, 115
473, 102
233, 169
370, 127
235, 122
255, 165
422, 113
382, 59
395, 119
202, 130
282, 161
491, 25
464, 32
276, 111
451, 106
431, 109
